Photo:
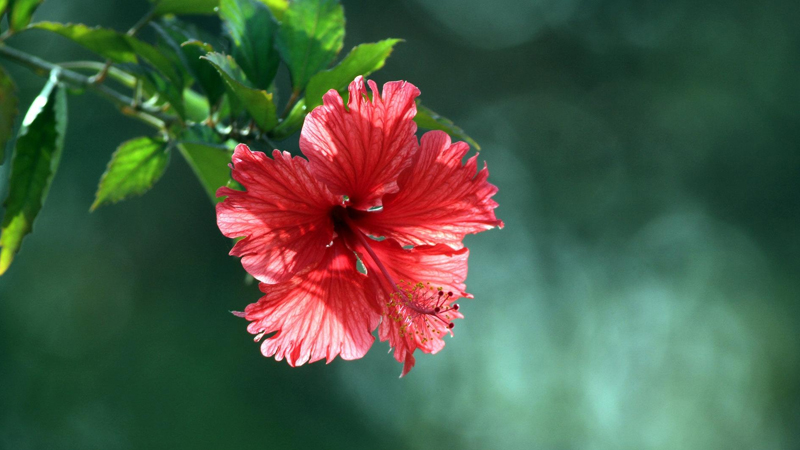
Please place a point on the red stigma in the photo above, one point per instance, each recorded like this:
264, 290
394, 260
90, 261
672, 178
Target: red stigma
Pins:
451, 325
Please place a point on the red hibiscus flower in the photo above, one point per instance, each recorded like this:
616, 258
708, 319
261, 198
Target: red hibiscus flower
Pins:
370, 192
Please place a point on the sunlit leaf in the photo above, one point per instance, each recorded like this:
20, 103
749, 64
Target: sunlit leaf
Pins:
21, 13
36, 157
258, 103
310, 37
133, 170
3, 6
8, 111
277, 7
430, 120
362, 60
209, 163
185, 6
252, 30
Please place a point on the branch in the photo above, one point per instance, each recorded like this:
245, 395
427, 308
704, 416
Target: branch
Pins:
126, 105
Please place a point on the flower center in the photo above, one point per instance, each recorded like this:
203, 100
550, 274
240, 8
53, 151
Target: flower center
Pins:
410, 300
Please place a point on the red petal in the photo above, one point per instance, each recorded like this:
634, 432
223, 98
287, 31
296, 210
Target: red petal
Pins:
442, 267
321, 314
284, 215
440, 200
360, 151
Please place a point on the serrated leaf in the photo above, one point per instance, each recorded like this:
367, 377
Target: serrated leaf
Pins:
8, 111
35, 161
310, 36
118, 47
252, 29
133, 170
21, 13
258, 103
362, 60
430, 120
185, 6
210, 164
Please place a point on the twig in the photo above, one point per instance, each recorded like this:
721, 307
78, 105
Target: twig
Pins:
151, 116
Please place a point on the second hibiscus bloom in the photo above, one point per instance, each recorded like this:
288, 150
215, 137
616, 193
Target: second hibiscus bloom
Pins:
368, 191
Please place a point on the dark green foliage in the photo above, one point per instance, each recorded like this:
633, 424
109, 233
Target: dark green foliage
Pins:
35, 161
8, 111
257, 102
430, 120
185, 6
252, 30
203, 94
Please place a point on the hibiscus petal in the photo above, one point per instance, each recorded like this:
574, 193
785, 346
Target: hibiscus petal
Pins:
320, 314
421, 271
439, 201
284, 215
360, 151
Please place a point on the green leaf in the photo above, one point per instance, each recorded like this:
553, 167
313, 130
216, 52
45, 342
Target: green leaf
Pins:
133, 170
210, 164
185, 6
171, 49
276, 7
36, 157
194, 44
21, 13
310, 37
118, 47
8, 111
362, 60
258, 103
430, 120
252, 29
3, 6
107, 43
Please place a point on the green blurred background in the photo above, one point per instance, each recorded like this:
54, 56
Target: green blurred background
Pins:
643, 295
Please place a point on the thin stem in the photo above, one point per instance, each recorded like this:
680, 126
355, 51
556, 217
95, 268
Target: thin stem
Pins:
142, 22
100, 77
123, 77
151, 116
290, 103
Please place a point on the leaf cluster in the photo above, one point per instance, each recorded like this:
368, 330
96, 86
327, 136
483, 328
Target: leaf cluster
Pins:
202, 93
